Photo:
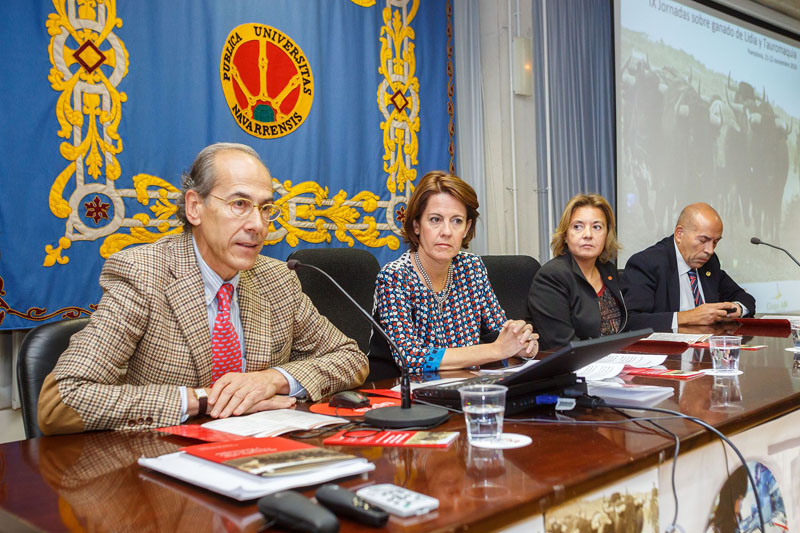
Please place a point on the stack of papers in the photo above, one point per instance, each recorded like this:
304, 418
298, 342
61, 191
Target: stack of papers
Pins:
629, 394
250, 468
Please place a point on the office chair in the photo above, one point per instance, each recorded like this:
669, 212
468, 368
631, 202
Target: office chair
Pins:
511, 277
355, 270
38, 353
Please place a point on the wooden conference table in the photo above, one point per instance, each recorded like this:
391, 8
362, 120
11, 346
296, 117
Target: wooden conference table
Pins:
91, 481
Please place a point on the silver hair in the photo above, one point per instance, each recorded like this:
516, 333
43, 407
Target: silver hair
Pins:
201, 177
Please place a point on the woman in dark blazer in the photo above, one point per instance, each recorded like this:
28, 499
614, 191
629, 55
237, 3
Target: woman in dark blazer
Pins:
576, 295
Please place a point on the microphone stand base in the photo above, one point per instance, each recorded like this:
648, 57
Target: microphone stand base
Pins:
396, 417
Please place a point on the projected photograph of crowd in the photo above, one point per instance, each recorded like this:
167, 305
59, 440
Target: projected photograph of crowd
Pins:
709, 111
691, 133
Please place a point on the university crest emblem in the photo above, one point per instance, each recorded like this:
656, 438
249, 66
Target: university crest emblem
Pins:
266, 79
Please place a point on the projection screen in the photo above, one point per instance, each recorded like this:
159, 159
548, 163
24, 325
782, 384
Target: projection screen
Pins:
708, 109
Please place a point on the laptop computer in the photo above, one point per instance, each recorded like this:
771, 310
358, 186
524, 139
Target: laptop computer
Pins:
553, 374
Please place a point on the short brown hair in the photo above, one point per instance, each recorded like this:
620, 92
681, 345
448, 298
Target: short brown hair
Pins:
434, 182
559, 241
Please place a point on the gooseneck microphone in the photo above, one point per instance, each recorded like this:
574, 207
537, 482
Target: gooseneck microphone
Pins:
756, 240
407, 415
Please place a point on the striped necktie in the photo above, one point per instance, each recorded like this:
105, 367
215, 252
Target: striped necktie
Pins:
225, 349
698, 298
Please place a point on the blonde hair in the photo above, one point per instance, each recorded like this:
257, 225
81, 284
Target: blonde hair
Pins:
559, 241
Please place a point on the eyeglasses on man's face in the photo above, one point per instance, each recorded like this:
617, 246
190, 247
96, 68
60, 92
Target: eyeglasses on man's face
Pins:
242, 207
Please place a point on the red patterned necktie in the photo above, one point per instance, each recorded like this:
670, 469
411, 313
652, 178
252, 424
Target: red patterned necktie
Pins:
227, 355
698, 298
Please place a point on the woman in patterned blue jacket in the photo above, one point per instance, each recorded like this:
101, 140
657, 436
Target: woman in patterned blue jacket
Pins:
435, 301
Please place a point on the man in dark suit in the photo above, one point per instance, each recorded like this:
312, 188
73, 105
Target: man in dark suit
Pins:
678, 281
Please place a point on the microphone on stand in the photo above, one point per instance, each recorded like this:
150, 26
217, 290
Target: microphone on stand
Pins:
756, 240
407, 415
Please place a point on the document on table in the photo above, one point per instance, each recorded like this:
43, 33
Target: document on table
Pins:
272, 423
515, 368
599, 371
691, 338
432, 383
612, 364
639, 360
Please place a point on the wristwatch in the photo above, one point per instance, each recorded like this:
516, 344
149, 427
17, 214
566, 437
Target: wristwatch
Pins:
202, 398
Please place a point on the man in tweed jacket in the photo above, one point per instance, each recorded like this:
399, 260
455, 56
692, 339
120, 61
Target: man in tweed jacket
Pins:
145, 358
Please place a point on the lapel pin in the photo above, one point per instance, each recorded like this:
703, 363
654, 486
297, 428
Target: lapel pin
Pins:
610, 278
708, 273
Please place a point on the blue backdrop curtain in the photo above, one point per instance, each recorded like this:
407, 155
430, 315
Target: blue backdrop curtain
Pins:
574, 84
346, 101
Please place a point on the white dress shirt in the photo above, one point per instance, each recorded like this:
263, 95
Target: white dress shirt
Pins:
211, 284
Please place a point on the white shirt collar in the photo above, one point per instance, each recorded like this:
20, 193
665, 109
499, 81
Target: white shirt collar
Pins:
683, 266
211, 280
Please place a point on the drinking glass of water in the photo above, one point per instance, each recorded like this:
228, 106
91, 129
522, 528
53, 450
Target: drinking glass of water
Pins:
796, 334
726, 394
483, 406
725, 355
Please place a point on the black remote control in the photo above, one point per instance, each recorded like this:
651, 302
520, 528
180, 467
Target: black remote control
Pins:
292, 511
345, 503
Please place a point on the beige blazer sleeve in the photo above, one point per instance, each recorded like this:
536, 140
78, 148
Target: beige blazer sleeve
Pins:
299, 340
124, 369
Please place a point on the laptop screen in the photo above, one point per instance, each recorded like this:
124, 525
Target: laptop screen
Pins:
574, 356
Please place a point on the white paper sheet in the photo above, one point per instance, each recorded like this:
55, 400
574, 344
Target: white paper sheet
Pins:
272, 423
678, 337
599, 371
639, 360
396, 388
515, 368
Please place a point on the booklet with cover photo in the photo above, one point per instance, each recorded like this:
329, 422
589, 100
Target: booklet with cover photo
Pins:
252, 467
269, 456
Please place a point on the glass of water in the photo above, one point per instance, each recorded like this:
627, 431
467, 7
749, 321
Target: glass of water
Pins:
796, 334
483, 406
725, 355
726, 394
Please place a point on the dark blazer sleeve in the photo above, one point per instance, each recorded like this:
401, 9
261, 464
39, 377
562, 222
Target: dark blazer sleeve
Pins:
549, 305
730, 291
643, 286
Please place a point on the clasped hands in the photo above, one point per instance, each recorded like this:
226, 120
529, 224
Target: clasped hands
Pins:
242, 393
517, 338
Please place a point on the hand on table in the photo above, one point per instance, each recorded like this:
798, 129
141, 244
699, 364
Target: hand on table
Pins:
238, 393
